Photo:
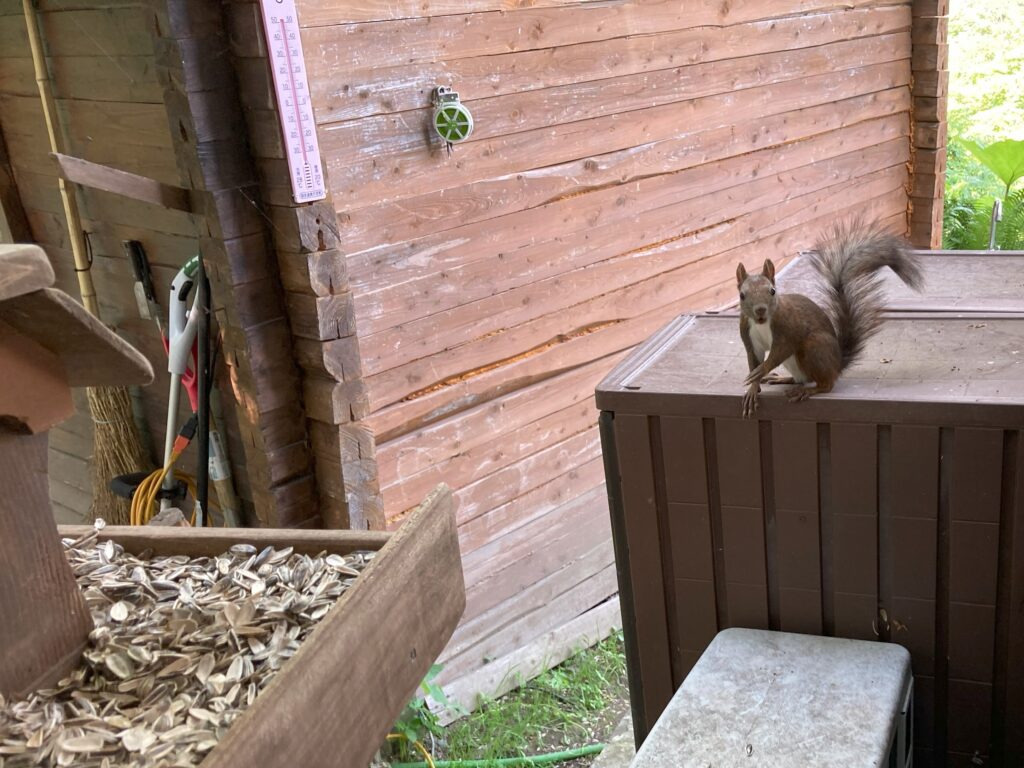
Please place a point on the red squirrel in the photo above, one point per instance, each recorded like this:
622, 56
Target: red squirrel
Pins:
814, 344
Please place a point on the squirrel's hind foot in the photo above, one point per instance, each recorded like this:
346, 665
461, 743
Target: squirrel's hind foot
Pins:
799, 393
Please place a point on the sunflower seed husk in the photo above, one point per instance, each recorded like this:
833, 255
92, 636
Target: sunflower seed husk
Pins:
181, 646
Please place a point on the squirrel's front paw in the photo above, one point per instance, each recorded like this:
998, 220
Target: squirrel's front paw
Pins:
750, 401
755, 375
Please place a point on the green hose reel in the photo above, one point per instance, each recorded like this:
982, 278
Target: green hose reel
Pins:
453, 121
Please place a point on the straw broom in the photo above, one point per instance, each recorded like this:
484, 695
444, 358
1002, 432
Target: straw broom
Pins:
117, 448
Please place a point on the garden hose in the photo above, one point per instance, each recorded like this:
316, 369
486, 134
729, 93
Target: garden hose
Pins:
419, 746
145, 501
551, 757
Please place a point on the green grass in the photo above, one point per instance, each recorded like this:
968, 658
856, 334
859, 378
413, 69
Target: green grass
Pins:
574, 704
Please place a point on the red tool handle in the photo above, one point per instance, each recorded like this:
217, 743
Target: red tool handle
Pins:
190, 379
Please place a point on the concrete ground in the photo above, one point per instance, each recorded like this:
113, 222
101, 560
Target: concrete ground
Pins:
619, 749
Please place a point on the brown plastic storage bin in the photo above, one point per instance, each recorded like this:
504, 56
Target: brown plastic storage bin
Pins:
892, 508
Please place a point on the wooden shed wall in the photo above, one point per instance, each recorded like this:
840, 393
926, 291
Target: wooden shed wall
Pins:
626, 156
118, 88
108, 95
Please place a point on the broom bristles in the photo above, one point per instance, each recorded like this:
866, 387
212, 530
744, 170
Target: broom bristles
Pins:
117, 450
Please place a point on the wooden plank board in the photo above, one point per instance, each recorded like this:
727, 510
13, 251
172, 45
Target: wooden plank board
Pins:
694, 197
510, 671
314, 13
819, 110
535, 551
114, 122
422, 172
402, 459
39, 193
572, 482
602, 314
44, 630
343, 93
382, 282
481, 34
487, 624
373, 137
102, 78
214, 541
514, 633
141, 188
465, 391
110, 31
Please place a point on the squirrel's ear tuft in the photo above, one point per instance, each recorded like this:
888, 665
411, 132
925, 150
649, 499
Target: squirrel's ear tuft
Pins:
741, 274
769, 270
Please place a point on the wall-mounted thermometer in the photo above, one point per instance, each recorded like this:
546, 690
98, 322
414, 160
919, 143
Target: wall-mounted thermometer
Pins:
294, 109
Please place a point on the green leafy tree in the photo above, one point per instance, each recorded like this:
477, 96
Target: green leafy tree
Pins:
986, 102
967, 216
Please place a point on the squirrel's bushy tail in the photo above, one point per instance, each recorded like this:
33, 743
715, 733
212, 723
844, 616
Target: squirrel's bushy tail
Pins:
849, 257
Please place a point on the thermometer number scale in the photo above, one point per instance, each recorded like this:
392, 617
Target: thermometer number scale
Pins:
298, 126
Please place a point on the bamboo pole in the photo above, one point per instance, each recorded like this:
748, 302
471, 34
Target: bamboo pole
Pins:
67, 196
117, 448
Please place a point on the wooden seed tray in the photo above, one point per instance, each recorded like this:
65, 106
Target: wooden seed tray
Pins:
335, 700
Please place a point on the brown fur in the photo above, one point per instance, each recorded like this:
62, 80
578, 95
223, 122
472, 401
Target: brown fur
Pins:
823, 343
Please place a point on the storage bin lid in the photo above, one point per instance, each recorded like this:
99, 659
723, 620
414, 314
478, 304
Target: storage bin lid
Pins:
758, 698
954, 281
926, 369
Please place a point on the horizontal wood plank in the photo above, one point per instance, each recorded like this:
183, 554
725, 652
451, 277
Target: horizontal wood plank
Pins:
481, 34
357, 140
343, 94
764, 122
141, 188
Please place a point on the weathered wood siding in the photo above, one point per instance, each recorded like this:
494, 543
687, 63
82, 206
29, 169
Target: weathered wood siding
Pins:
118, 108
626, 156
111, 104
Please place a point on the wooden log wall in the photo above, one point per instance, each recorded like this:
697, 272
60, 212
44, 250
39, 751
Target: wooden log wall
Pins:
109, 100
121, 109
625, 156
930, 72
204, 115
313, 273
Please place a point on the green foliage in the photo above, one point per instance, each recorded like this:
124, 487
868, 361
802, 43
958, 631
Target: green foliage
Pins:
417, 721
986, 59
1004, 158
986, 101
966, 222
560, 709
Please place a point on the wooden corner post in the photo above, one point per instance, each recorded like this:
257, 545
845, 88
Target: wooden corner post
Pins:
319, 303
930, 73
208, 130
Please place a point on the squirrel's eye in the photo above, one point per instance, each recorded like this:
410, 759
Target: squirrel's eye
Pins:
742, 296
772, 291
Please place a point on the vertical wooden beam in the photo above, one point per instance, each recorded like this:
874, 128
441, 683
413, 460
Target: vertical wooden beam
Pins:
311, 264
930, 73
205, 117
12, 213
